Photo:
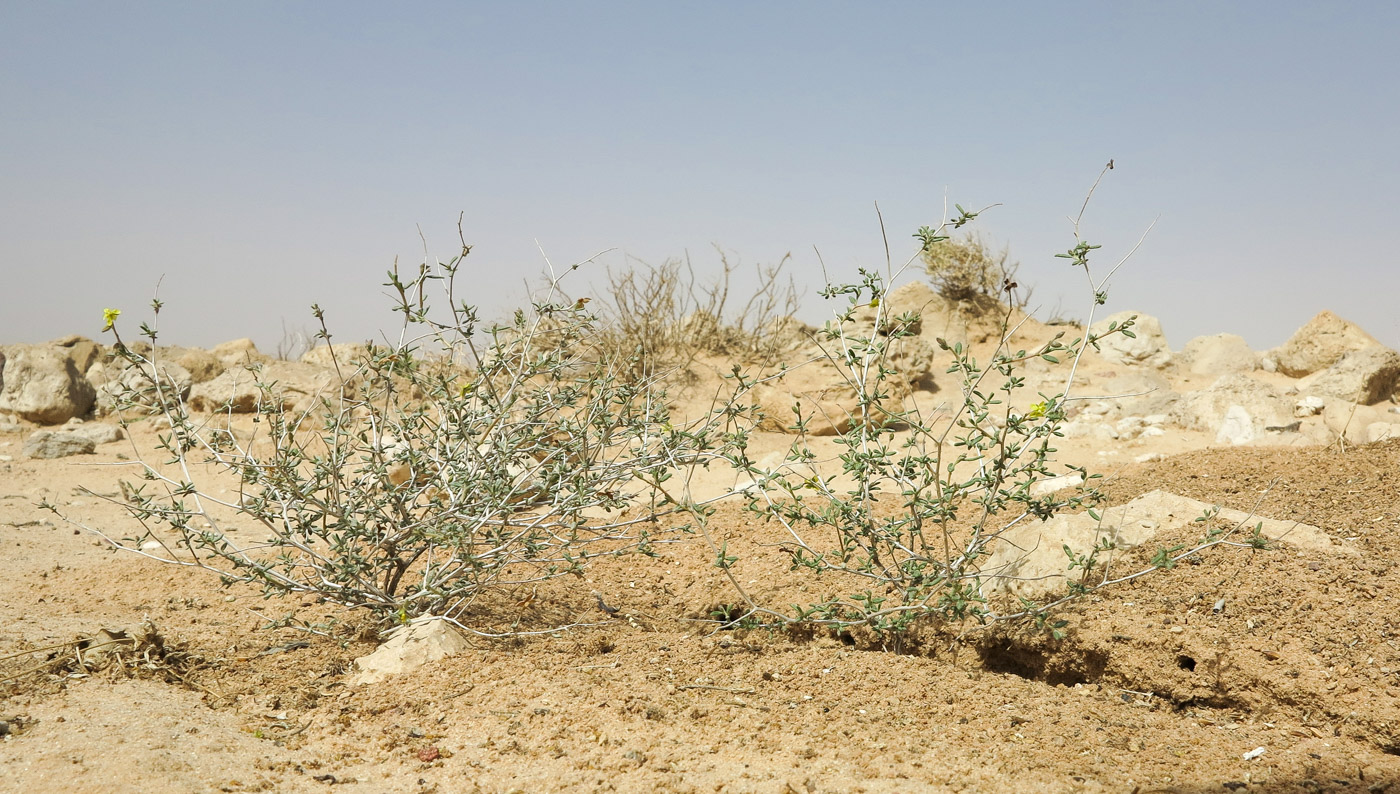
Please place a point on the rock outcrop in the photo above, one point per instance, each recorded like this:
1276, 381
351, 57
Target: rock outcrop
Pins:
238, 353
236, 390
348, 354
119, 380
1217, 355
1318, 345
1249, 407
1147, 347
1366, 376
1360, 424
201, 364
43, 384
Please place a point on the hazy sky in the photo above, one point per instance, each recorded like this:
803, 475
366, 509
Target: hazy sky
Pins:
265, 156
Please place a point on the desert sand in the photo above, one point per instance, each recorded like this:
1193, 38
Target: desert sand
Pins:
1238, 670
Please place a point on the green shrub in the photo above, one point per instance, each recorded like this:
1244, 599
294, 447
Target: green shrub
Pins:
432, 472
898, 533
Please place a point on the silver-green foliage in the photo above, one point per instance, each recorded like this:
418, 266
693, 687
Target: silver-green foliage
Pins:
900, 535
432, 472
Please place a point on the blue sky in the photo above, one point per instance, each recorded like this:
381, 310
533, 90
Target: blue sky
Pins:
254, 158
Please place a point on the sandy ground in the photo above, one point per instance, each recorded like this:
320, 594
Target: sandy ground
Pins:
1153, 689
1240, 670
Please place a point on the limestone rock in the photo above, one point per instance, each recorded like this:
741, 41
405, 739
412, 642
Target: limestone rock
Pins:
42, 383
1382, 431
1030, 560
1319, 344
202, 365
1206, 409
236, 390
913, 358
99, 432
48, 444
917, 298
1146, 348
1050, 485
1309, 406
82, 350
119, 380
1353, 421
348, 355
1119, 393
1216, 355
1236, 428
410, 647
1366, 376
239, 352
829, 412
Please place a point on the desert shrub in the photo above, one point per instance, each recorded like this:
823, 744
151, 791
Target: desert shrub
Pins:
968, 270
643, 311
898, 533
660, 318
432, 473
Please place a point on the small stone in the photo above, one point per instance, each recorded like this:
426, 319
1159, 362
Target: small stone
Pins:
1309, 406
50, 444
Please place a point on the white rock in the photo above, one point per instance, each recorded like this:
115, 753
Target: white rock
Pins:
1352, 421
99, 432
1053, 484
1236, 428
119, 379
1206, 409
410, 647
236, 390
1147, 347
42, 383
1309, 406
1129, 426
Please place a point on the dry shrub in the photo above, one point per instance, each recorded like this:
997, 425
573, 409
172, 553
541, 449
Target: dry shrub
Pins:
660, 318
968, 271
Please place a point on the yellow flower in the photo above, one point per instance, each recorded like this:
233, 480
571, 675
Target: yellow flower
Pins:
109, 316
1037, 411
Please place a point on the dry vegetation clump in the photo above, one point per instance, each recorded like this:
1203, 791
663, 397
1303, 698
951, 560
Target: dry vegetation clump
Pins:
659, 318
969, 272
141, 651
